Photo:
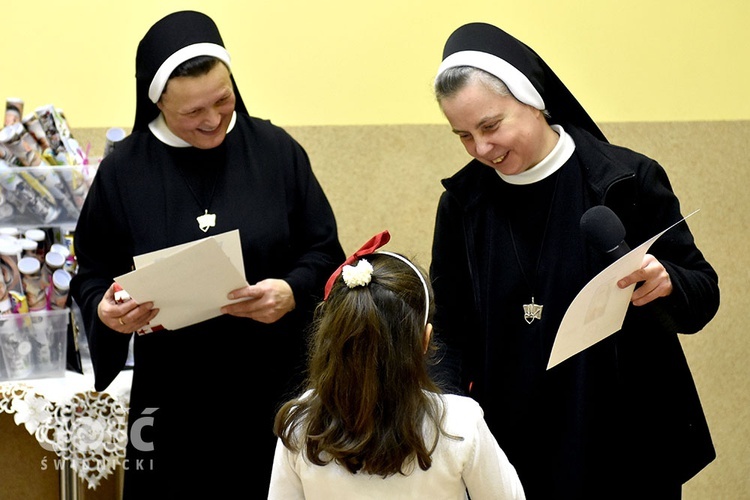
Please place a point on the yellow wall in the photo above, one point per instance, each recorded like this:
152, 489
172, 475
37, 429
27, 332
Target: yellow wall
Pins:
341, 62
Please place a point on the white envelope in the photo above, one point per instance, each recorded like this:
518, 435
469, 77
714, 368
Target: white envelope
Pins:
189, 283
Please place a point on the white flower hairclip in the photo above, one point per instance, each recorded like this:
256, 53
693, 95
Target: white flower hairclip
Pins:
359, 275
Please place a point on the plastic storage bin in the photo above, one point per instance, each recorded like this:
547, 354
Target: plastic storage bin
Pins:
34, 345
43, 196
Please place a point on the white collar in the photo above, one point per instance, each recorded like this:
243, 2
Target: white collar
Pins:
562, 151
161, 131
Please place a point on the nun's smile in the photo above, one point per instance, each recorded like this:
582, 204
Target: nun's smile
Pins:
199, 109
499, 131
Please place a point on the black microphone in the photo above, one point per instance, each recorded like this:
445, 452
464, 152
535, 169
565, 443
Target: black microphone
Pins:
604, 231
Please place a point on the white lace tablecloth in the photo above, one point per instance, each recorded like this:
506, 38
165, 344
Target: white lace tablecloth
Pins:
68, 417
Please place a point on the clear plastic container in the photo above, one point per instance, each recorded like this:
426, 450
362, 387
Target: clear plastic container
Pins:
34, 345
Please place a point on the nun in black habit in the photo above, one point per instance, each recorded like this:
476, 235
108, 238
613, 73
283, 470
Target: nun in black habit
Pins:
196, 165
621, 419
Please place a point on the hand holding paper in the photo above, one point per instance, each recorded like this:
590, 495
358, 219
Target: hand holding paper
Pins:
599, 309
189, 283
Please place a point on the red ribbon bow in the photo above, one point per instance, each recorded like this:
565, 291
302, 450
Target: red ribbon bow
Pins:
368, 248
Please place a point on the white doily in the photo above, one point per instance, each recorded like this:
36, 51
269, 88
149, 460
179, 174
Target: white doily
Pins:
88, 428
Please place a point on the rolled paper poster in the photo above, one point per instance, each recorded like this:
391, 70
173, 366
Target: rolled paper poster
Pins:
10, 252
13, 110
42, 243
60, 289
22, 145
113, 136
16, 348
46, 116
60, 248
75, 183
33, 286
53, 181
71, 265
37, 185
29, 247
6, 302
10, 231
32, 124
74, 155
68, 151
27, 197
7, 157
7, 209
52, 262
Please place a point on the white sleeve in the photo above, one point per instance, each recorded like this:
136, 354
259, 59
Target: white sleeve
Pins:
285, 481
488, 474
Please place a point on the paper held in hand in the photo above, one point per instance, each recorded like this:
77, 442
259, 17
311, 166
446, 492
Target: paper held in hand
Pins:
189, 283
599, 309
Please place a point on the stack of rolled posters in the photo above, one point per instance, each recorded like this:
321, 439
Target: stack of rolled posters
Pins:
40, 140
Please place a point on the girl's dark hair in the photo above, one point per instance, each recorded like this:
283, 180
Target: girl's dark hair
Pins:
369, 400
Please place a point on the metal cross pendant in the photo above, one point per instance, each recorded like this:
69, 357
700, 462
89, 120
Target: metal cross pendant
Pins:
532, 311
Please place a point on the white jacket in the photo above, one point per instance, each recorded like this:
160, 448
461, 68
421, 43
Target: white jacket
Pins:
476, 464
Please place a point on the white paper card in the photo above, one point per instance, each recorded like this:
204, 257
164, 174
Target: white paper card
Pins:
229, 242
188, 283
599, 309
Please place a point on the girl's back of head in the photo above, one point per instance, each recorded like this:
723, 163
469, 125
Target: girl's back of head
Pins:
368, 373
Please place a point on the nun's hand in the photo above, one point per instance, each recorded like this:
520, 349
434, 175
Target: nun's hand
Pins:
125, 316
653, 279
266, 301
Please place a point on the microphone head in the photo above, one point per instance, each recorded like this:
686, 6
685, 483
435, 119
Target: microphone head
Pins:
602, 228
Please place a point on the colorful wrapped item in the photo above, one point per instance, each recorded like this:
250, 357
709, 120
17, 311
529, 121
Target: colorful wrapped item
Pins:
44, 173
